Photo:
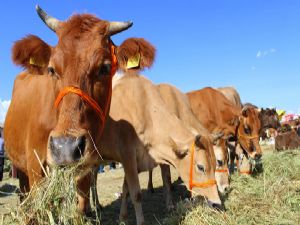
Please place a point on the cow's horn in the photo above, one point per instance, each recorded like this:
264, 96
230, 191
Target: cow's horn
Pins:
117, 27
50, 21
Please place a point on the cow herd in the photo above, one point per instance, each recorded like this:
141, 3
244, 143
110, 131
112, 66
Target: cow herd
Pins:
68, 108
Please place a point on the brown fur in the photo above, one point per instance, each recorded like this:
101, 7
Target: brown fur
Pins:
232, 95
216, 112
31, 47
178, 103
287, 140
131, 47
161, 138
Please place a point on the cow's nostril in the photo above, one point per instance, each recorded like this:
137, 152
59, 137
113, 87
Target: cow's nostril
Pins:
226, 189
216, 206
258, 156
79, 147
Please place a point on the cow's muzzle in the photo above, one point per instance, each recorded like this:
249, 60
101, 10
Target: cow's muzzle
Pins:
216, 206
67, 149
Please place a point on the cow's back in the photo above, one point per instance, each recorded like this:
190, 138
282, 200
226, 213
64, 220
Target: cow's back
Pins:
178, 103
213, 109
137, 100
29, 119
232, 95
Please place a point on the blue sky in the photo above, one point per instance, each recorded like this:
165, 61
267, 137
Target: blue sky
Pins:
253, 45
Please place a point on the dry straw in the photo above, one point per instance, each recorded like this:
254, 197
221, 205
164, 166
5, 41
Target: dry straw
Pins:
52, 202
272, 197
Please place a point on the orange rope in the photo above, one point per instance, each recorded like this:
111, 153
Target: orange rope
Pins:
245, 171
114, 61
221, 170
192, 184
84, 96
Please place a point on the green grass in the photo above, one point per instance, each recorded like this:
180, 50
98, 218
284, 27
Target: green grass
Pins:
272, 197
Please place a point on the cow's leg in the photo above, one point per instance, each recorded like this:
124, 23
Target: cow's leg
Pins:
237, 160
124, 210
95, 198
132, 179
150, 182
232, 157
23, 183
83, 193
166, 177
231, 152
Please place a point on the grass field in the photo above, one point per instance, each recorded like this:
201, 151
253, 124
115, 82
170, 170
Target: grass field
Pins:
272, 197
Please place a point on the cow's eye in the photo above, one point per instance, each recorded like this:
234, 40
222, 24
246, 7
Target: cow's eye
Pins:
247, 130
51, 70
201, 168
105, 69
219, 162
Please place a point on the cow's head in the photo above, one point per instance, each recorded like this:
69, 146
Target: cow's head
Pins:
248, 132
81, 67
269, 118
197, 165
221, 173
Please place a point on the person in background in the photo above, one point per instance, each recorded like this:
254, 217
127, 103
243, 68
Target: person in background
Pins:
101, 168
1, 157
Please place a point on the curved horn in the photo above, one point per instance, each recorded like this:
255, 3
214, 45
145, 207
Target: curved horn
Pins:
50, 21
117, 27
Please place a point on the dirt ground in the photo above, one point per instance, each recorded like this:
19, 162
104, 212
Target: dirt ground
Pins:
109, 186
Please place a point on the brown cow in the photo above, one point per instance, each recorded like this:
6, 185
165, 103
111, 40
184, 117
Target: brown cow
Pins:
76, 75
178, 103
162, 140
232, 95
217, 113
287, 140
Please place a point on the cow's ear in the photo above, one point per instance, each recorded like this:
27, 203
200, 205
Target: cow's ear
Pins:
245, 111
31, 53
135, 54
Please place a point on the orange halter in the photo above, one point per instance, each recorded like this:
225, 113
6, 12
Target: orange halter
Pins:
245, 171
84, 96
221, 170
192, 184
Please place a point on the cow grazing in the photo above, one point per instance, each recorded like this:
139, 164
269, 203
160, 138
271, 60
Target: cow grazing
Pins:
162, 140
217, 113
287, 140
232, 95
59, 109
178, 104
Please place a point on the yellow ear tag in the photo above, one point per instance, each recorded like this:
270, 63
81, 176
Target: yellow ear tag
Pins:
134, 61
32, 61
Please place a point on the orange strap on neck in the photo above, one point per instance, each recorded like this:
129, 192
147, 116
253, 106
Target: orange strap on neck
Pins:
245, 171
83, 96
250, 137
221, 170
192, 184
